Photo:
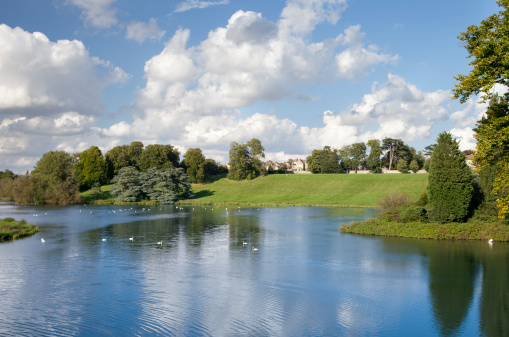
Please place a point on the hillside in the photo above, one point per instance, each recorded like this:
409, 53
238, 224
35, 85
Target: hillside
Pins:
334, 189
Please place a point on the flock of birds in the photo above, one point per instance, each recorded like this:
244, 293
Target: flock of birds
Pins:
244, 243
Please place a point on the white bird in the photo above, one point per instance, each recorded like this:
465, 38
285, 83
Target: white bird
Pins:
104, 239
42, 240
254, 248
244, 242
490, 241
131, 239
160, 243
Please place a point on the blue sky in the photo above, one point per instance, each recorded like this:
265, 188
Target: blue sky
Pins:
296, 74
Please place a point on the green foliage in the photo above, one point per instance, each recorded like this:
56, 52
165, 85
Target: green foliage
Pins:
118, 157
487, 46
373, 160
245, 160
11, 229
414, 166
471, 230
166, 186
353, 156
402, 166
449, 182
324, 161
492, 155
128, 185
91, 168
195, 165
54, 166
158, 156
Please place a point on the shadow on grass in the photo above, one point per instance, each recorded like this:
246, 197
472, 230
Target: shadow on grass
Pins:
203, 194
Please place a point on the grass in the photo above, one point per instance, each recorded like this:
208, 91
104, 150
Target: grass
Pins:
310, 189
471, 230
11, 229
103, 199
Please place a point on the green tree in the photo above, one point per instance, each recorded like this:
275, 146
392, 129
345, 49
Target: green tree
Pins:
373, 160
324, 161
52, 180
487, 45
135, 151
402, 166
54, 166
353, 156
91, 168
245, 160
395, 149
195, 164
449, 182
414, 166
116, 158
158, 156
128, 185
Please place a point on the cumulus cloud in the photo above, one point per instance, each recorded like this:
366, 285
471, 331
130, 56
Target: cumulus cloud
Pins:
141, 31
97, 13
249, 60
41, 77
50, 95
192, 4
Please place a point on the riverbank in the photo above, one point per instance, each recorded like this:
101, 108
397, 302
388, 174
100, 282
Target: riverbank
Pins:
11, 229
471, 230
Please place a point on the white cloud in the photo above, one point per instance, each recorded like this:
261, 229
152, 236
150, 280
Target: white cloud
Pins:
300, 17
465, 136
192, 4
97, 13
245, 62
141, 31
40, 77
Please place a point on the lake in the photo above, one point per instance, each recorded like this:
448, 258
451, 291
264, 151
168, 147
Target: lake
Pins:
217, 271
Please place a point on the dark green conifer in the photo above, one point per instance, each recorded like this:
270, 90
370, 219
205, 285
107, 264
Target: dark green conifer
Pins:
449, 182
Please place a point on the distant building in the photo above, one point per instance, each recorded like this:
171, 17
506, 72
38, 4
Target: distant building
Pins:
299, 165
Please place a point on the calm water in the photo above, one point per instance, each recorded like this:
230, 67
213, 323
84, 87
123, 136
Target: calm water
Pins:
305, 279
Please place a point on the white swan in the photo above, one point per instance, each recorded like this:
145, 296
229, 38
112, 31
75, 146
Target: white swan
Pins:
490, 241
244, 242
42, 240
104, 239
254, 248
131, 239
159, 242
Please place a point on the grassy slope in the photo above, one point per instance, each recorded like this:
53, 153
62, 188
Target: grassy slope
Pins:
339, 189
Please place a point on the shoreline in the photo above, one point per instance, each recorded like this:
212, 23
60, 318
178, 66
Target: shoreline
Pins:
471, 230
11, 229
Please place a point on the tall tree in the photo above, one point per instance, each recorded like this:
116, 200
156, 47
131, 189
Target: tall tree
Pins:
449, 181
245, 160
373, 161
195, 164
117, 158
353, 156
488, 45
55, 166
324, 161
159, 156
91, 168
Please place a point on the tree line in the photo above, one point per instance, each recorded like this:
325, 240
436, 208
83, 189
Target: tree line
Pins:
139, 172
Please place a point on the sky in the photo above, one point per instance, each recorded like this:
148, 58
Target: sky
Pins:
298, 75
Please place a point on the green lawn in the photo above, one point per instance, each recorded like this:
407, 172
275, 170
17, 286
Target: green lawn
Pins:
333, 189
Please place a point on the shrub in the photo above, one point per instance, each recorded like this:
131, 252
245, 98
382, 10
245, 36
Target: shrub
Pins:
390, 205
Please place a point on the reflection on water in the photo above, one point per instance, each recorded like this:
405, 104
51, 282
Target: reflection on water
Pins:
193, 271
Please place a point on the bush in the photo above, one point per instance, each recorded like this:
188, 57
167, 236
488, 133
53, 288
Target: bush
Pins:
390, 205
